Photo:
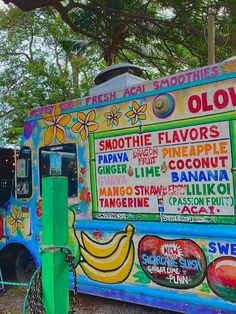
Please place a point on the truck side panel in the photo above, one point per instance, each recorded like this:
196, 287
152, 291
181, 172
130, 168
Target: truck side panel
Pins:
151, 193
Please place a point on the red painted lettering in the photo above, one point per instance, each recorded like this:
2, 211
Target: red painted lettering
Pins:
194, 103
214, 132
232, 96
221, 99
205, 105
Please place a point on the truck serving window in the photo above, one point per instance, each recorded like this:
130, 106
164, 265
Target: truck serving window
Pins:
24, 174
59, 161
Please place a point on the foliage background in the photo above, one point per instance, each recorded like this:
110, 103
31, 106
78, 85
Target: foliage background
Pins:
52, 54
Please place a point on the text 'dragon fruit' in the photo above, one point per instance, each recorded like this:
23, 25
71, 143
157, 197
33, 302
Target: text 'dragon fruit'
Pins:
221, 277
179, 263
115, 262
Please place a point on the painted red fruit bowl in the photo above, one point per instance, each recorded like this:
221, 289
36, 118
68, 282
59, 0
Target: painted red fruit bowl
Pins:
221, 277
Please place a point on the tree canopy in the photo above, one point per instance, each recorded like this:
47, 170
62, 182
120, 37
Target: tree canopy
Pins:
39, 66
166, 34
50, 55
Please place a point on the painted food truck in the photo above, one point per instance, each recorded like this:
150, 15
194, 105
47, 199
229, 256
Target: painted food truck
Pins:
151, 190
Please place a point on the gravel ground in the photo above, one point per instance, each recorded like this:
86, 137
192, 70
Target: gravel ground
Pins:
12, 301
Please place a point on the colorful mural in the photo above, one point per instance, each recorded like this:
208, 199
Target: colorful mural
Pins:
16, 219
151, 189
181, 174
179, 263
85, 124
73, 241
221, 277
56, 123
111, 261
200, 266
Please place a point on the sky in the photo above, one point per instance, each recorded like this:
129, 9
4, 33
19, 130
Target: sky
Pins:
1, 4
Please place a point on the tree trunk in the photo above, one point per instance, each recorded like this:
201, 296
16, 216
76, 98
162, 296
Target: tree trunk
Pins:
75, 70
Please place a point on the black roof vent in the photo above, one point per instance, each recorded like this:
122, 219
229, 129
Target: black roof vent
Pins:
116, 70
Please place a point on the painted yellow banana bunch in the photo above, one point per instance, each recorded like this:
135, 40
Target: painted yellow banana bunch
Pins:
109, 262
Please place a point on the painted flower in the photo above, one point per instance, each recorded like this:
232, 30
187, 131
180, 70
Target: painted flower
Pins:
97, 235
85, 124
39, 209
85, 196
82, 170
56, 123
113, 116
81, 180
229, 66
137, 112
15, 220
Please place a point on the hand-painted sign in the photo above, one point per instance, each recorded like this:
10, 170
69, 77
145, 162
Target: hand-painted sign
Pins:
182, 174
179, 264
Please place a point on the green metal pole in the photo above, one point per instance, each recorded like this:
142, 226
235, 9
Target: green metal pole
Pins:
55, 271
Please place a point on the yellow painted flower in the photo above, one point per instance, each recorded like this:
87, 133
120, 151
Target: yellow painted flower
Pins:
137, 113
113, 116
85, 124
230, 66
15, 220
56, 123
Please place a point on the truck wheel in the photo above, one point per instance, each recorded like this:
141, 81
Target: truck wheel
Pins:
25, 266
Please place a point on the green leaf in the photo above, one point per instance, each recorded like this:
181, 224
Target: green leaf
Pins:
138, 267
138, 274
143, 280
205, 288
